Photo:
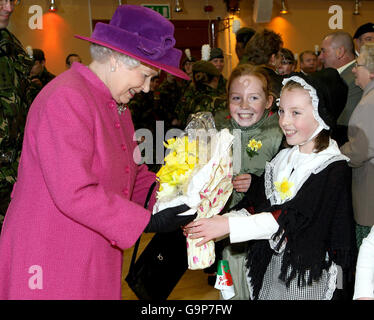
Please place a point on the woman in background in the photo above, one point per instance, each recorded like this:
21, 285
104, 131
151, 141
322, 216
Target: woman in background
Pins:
360, 146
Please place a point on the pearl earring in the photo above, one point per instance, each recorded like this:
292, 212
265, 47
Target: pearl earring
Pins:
112, 69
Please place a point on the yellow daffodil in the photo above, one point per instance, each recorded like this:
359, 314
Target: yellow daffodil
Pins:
253, 146
284, 188
169, 143
165, 190
179, 163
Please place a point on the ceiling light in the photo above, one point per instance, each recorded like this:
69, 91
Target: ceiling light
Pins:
232, 6
178, 7
52, 6
284, 9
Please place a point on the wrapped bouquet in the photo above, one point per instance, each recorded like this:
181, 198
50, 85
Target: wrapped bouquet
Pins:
197, 172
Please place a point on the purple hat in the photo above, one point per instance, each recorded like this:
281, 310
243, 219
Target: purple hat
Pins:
143, 34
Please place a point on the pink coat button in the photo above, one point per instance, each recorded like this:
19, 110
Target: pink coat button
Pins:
117, 125
113, 243
127, 169
125, 191
111, 104
123, 147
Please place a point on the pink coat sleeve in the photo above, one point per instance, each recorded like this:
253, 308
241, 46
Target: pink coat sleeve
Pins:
144, 180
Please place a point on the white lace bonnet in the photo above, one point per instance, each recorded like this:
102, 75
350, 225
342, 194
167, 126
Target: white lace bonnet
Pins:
313, 94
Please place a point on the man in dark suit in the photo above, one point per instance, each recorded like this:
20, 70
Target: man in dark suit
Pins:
308, 62
337, 51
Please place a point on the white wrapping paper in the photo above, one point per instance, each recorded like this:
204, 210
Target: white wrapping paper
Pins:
207, 191
213, 198
207, 187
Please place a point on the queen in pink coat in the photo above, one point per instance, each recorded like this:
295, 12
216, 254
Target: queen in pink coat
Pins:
78, 201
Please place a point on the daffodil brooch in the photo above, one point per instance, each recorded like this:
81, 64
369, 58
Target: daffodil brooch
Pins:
253, 147
284, 188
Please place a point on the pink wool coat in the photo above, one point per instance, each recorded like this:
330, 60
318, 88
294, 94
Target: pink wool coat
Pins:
78, 201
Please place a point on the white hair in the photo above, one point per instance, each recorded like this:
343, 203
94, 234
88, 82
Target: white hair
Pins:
101, 54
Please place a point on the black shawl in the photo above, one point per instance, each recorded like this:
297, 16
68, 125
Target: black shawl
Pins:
317, 220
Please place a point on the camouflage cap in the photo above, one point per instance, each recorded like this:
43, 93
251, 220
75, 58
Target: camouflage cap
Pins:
206, 67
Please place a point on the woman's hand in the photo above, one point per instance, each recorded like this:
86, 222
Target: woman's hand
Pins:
207, 229
168, 220
242, 182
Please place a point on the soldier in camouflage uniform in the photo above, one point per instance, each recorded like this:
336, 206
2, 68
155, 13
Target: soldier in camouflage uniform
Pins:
16, 95
202, 94
187, 68
144, 107
216, 57
170, 92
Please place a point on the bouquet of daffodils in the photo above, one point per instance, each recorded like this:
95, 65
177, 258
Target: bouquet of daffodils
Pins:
197, 172
180, 162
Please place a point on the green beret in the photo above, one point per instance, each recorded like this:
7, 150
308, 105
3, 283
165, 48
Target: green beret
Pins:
206, 67
193, 59
216, 53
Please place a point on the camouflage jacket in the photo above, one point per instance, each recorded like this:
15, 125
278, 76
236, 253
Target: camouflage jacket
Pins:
16, 95
222, 83
203, 99
169, 96
143, 109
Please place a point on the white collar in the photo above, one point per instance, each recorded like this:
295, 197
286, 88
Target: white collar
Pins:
342, 68
292, 167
